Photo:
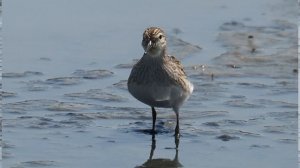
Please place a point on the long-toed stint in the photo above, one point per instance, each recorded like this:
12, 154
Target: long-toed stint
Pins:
158, 79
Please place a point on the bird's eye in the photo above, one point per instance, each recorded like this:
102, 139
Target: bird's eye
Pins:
160, 36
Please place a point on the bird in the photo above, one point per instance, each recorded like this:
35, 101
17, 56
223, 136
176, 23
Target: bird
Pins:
159, 79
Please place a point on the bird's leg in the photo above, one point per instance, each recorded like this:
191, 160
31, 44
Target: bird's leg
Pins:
153, 120
176, 142
177, 135
177, 125
153, 146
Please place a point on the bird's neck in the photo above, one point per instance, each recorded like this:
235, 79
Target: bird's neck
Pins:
155, 56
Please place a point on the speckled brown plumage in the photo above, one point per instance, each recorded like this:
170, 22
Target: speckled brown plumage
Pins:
157, 79
167, 72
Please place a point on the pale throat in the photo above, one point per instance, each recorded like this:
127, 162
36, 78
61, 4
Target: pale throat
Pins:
156, 53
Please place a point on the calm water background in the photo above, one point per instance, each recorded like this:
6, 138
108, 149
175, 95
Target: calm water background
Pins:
65, 102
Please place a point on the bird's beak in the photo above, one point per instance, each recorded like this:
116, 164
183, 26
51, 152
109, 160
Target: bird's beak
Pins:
149, 45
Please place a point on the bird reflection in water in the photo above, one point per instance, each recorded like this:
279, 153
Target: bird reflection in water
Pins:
161, 162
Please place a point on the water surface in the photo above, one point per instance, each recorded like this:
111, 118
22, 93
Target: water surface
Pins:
66, 104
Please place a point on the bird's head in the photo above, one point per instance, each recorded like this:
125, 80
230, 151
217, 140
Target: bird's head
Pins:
154, 41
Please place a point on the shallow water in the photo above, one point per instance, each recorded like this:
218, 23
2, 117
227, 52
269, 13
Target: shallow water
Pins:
66, 104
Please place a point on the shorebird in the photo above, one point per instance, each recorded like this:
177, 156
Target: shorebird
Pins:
158, 79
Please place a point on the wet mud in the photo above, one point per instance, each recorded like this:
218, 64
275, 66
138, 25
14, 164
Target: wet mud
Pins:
80, 114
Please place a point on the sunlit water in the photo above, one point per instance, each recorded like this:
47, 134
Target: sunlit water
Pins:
65, 99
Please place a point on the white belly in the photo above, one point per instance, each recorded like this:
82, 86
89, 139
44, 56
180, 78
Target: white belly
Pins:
159, 96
